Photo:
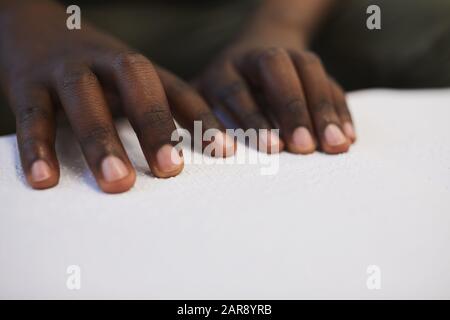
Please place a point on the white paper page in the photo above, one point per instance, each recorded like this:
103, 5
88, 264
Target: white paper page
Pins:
227, 231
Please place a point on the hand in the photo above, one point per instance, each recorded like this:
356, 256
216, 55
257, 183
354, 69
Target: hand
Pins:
85, 73
267, 79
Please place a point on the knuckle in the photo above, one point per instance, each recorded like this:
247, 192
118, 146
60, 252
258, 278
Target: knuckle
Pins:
295, 106
29, 114
27, 144
218, 71
327, 118
294, 111
97, 135
308, 57
325, 112
324, 106
220, 66
254, 119
33, 145
344, 112
345, 117
129, 61
272, 55
231, 89
180, 89
77, 76
156, 117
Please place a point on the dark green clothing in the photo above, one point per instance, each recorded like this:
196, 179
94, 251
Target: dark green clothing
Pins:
411, 50
182, 38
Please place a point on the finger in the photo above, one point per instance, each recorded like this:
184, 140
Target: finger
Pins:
188, 107
147, 108
86, 109
228, 88
343, 111
35, 126
284, 94
320, 103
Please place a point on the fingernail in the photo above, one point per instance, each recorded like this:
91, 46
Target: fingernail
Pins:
334, 135
349, 130
269, 142
113, 169
40, 171
168, 159
302, 139
223, 145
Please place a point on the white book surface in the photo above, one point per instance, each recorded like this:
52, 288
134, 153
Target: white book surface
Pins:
372, 223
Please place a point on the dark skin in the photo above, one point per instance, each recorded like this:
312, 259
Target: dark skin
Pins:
265, 79
268, 73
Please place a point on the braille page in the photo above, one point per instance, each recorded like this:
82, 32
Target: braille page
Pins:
372, 223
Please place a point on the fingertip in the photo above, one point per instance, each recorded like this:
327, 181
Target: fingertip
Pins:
119, 186
224, 146
270, 143
301, 142
42, 175
334, 141
295, 150
117, 177
168, 162
349, 131
336, 149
